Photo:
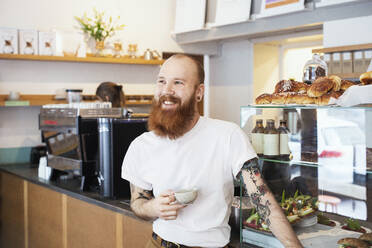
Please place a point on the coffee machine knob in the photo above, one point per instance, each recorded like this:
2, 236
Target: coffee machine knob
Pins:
100, 179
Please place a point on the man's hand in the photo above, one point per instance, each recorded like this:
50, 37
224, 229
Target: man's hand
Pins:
147, 207
165, 207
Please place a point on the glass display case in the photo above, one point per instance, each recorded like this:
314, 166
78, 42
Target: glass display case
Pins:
323, 162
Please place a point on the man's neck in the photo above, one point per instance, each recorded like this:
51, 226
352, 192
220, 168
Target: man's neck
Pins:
193, 122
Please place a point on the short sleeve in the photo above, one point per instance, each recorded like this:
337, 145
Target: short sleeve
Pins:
240, 150
132, 167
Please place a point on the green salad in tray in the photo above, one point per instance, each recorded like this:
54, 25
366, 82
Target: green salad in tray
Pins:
298, 206
324, 220
353, 225
295, 208
256, 222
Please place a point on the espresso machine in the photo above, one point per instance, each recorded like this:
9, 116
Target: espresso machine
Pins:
90, 143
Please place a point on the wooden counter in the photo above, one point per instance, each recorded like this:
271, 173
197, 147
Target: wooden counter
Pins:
39, 213
33, 215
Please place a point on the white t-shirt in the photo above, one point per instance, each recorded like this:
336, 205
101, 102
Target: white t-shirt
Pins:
208, 157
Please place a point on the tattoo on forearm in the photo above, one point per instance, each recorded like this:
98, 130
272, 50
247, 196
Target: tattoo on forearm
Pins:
141, 195
262, 206
138, 193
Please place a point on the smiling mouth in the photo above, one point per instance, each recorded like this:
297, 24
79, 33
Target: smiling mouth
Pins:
169, 102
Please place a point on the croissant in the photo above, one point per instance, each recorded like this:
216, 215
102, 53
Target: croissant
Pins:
263, 99
320, 87
366, 78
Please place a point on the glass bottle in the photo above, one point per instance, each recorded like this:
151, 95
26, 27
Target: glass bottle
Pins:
283, 140
257, 137
271, 140
271, 169
314, 68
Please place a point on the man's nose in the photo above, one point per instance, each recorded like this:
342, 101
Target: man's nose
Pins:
168, 89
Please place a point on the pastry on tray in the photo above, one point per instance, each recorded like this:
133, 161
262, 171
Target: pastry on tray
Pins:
337, 82
298, 98
290, 86
320, 87
319, 92
263, 99
324, 99
366, 237
279, 98
366, 78
352, 243
345, 84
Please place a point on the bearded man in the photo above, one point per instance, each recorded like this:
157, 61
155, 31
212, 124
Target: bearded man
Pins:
184, 150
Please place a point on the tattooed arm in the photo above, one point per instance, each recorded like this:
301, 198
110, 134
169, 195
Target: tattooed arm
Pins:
266, 205
148, 207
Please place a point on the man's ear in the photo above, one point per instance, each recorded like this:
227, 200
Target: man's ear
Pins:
200, 92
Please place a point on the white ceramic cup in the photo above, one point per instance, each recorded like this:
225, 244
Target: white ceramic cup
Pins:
13, 95
186, 196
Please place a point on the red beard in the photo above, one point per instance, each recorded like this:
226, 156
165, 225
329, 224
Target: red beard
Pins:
172, 123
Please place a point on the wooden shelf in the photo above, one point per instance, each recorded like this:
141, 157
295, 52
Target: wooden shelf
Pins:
349, 75
39, 100
138, 99
343, 48
124, 60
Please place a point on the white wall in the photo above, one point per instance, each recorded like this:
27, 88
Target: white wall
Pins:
231, 80
40, 77
18, 127
351, 31
148, 23
266, 69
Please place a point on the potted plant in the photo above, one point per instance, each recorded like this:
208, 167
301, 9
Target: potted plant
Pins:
99, 28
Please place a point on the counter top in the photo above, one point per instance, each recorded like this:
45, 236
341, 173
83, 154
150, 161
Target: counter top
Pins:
70, 187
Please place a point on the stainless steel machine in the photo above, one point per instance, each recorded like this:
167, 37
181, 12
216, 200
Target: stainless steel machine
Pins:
90, 143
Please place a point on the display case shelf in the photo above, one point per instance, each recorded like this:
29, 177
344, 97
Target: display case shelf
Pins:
331, 160
299, 106
104, 60
306, 164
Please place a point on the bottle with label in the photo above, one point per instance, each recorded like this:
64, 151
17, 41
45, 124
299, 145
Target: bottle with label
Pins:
257, 137
274, 172
283, 141
271, 170
271, 140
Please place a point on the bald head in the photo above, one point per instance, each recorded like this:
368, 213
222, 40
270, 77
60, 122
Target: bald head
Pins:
198, 67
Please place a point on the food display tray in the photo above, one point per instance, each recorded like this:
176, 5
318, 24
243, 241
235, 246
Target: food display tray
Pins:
317, 235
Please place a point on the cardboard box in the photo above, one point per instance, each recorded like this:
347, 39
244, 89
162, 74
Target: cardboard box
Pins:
367, 59
358, 62
47, 43
28, 42
336, 63
347, 62
9, 40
